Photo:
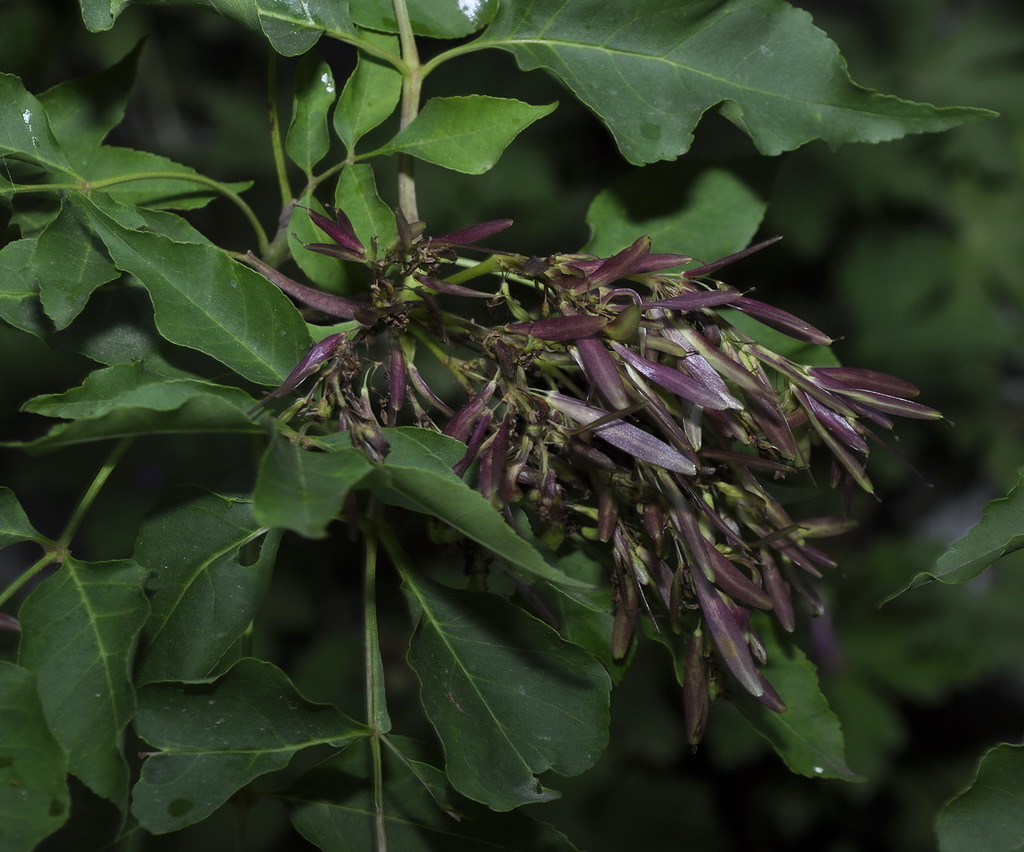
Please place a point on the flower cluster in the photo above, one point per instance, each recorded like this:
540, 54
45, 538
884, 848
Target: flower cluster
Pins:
614, 402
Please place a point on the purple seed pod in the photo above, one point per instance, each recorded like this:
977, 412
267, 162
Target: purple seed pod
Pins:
398, 378
844, 378
836, 423
654, 524
770, 698
726, 633
586, 456
492, 462
602, 372
625, 436
673, 380
839, 449
461, 425
451, 289
715, 265
341, 231
336, 306
694, 300
655, 262
424, 390
476, 440
695, 690
732, 581
875, 401
472, 234
782, 321
626, 262
778, 591
558, 329
607, 514
727, 367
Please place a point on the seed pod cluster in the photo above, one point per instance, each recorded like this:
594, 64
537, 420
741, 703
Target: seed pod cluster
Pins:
622, 411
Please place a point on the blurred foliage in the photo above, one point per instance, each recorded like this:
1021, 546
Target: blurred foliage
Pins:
910, 250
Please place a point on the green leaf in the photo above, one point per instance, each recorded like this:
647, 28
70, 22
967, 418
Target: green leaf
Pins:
69, 263
206, 301
34, 798
25, 132
651, 68
807, 735
417, 475
716, 215
294, 26
215, 737
133, 399
431, 18
370, 95
205, 595
79, 631
14, 523
332, 806
507, 697
989, 814
465, 134
302, 490
100, 14
84, 110
307, 141
371, 218
999, 533
19, 290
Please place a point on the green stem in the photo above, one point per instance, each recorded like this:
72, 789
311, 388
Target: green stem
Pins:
275, 132
93, 491
376, 697
412, 83
57, 550
46, 559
